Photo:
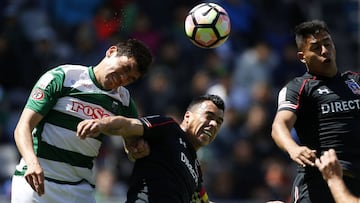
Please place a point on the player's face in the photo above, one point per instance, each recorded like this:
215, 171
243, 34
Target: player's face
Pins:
204, 123
119, 71
318, 54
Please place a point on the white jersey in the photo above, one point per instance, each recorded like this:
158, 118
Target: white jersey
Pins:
65, 96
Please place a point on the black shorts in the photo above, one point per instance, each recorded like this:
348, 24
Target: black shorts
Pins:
310, 189
313, 189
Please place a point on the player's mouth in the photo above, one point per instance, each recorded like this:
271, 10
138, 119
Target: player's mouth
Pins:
208, 133
327, 60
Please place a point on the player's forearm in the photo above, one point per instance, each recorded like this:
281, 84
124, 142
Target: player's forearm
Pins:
119, 125
282, 137
24, 143
340, 193
113, 125
281, 130
23, 135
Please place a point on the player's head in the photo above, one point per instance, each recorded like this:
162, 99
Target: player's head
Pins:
307, 29
203, 119
136, 49
316, 48
124, 63
209, 97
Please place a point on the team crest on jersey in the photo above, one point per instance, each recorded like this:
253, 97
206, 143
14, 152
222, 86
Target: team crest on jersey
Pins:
37, 94
355, 88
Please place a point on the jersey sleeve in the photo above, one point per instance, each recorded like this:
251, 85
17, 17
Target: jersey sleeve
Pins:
157, 126
46, 91
290, 95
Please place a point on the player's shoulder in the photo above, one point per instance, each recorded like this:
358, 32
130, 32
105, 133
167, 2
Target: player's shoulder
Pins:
157, 120
350, 74
54, 75
299, 85
300, 80
68, 69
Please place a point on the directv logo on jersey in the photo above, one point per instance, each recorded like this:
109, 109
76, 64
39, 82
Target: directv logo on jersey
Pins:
193, 172
355, 88
340, 106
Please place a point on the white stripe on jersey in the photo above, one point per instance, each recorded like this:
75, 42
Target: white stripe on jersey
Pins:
65, 172
287, 105
62, 171
45, 80
67, 140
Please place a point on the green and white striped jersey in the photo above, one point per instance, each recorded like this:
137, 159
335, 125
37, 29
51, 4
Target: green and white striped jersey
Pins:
65, 96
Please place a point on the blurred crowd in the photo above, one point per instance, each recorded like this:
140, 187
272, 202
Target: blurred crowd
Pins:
243, 164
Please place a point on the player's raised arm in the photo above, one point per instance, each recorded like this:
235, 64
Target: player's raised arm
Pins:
332, 173
113, 125
281, 127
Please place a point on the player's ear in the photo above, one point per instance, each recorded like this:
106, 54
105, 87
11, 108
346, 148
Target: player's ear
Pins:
187, 116
301, 56
111, 51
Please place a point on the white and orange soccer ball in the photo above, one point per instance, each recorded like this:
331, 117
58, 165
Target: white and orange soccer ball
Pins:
207, 25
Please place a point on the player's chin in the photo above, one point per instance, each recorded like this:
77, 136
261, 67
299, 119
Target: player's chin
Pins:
205, 139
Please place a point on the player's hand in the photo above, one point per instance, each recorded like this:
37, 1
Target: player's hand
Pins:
136, 148
303, 156
35, 177
89, 128
329, 165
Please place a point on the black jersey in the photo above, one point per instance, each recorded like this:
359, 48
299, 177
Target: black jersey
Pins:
171, 172
328, 114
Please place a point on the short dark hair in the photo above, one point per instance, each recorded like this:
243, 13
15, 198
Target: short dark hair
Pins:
305, 29
138, 50
208, 97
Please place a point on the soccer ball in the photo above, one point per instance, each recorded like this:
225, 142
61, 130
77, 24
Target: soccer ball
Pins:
207, 25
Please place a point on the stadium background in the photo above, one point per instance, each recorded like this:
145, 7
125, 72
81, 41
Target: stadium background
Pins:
243, 165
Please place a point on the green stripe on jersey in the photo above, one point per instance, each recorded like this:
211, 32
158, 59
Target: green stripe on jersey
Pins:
67, 121
53, 153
